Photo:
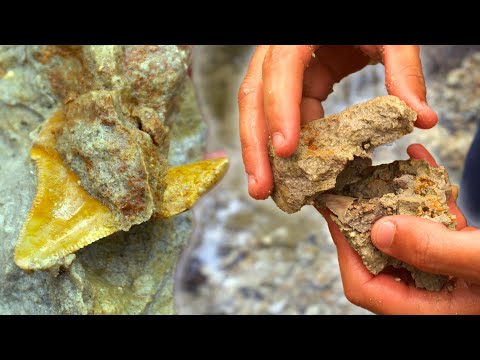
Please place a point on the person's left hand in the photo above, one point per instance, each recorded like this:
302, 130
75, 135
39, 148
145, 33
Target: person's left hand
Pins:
424, 244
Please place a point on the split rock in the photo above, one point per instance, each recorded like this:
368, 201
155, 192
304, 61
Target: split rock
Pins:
409, 187
332, 168
329, 144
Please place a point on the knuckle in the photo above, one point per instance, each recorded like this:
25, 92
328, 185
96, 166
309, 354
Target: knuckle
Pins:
273, 58
423, 251
353, 295
247, 88
411, 70
247, 145
280, 54
406, 72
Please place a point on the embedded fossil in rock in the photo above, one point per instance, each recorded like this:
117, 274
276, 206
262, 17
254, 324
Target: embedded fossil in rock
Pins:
64, 217
102, 159
332, 168
407, 187
327, 146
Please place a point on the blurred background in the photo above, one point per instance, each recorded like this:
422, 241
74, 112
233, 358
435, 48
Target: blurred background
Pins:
249, 257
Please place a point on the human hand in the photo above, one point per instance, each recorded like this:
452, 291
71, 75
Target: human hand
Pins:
424, 244
285, 85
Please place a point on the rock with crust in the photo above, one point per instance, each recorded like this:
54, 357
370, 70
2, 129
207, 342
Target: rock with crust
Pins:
409, 187
332, 168
329, 144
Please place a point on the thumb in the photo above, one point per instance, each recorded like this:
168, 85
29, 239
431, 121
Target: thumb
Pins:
429, 246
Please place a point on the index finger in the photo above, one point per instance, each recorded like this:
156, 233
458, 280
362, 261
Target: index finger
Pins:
283, 71
404, 78
253, 129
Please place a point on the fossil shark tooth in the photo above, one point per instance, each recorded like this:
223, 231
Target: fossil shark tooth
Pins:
338, 204
186, 183
64, 217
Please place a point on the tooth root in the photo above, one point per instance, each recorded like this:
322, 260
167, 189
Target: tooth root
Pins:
63, 217
186, 184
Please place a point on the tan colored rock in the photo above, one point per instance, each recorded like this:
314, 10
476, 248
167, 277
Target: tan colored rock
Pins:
116, 161
332, 168
327, 146
410, 187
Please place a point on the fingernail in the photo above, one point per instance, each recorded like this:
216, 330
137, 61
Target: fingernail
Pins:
277, 140
384, 234
252, 180
215, 154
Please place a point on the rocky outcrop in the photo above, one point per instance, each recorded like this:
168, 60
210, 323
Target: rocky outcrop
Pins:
139, 89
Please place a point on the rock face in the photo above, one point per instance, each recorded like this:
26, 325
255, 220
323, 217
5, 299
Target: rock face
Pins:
139, 89
409, 187
328, 145
332, 167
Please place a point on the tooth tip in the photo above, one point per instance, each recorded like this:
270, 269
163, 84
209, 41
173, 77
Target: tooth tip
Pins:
187, 183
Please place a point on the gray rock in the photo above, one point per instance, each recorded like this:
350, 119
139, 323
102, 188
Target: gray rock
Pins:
128, 272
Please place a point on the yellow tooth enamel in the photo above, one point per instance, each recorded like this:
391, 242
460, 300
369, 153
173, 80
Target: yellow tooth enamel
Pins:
185, 184
63, 217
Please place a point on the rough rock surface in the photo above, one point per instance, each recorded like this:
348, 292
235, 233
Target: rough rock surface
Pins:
334, 157
117, 118
408, 187
128, 272
248, 256
287, 264
327, 146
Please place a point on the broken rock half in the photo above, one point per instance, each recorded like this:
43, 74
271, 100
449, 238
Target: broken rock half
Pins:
329, 144
332, 168
407, 187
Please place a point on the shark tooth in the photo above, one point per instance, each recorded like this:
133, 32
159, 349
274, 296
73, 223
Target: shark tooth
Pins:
63, 217
187, 183
338, 204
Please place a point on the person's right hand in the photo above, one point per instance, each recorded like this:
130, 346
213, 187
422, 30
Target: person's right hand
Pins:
424, 244
286, 85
